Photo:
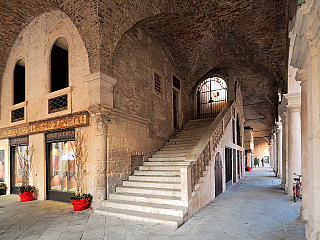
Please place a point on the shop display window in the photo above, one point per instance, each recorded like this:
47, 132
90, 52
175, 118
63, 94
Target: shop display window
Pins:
62, 167
17, 164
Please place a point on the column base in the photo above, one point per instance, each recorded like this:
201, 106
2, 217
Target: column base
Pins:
304, 213
289, 191
283, 186
312, 232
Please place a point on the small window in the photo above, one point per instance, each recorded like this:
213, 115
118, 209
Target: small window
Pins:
17, 114
58, 103
176, 83
59, 65
157, 83
19, 82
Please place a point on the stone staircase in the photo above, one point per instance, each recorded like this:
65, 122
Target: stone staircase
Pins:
153, 193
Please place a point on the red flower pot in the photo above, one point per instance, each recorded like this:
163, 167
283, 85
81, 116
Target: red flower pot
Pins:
26, 196
79, 205
248, 169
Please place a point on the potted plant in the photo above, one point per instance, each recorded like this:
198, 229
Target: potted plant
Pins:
25, 160
3, 188
80, 200
248, 169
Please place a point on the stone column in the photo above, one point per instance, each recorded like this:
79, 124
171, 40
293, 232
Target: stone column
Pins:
275, 155
271, 153
294, 138
284, 147
279, 148
313, 225
302, 76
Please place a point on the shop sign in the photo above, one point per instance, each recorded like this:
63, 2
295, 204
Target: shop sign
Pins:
19, 141
12, 132
60, 135
69, 121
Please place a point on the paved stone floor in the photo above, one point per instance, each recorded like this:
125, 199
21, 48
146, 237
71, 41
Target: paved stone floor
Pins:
254, 208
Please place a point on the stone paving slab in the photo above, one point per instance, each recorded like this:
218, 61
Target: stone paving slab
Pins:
255, 208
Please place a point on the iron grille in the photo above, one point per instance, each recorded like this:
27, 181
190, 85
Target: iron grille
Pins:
58, 103
157, 83
211, 97
17, 114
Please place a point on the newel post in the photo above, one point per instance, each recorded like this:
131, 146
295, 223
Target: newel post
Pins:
186, 187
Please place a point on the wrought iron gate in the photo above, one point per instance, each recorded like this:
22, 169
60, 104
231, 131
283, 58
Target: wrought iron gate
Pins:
211, 97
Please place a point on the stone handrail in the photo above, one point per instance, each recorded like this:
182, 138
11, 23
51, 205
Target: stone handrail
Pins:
193, 167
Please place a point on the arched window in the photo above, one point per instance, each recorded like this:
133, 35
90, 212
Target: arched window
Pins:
59, 65
211, 97
19, 84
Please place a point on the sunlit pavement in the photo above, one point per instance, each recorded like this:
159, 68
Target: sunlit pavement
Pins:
253, 208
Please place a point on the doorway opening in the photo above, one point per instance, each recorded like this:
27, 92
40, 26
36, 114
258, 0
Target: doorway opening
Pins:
211, 97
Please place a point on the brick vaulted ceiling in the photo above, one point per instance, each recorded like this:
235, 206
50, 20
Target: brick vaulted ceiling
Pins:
248, 36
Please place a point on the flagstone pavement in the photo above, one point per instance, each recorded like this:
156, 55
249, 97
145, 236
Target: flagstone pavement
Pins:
253, 208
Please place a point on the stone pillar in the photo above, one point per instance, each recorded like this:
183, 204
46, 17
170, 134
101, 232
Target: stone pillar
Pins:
279, 148
284, 157
294, 138
313, 225
302, 76
186, 188
271, 152
275, 154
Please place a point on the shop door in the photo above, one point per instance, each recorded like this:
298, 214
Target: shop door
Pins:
61, 182
15, 168
218, 174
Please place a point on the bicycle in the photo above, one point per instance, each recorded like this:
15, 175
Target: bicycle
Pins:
297, 188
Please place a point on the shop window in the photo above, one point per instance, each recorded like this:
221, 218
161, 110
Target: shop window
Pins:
59, 65
19, 82
62, 168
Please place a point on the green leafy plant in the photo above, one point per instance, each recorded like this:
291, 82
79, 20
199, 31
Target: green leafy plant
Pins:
86, 196
26, 188
256, 161
3, 186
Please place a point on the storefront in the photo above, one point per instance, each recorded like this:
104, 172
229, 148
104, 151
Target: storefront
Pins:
60, 169
18, 150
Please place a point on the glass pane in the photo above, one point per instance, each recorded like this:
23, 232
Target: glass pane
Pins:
17, 165
62, 169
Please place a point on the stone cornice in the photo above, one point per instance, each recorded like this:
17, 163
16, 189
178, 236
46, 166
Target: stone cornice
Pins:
301, 75
307, 27
293, 100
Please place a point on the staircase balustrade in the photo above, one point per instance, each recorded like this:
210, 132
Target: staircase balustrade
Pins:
193, 168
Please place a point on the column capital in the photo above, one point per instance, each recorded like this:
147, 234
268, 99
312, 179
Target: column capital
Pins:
293, 101
301, 75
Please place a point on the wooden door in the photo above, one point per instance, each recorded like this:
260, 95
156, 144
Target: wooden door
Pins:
218, 174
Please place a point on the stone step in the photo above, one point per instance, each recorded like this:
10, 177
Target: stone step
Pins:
189, 134
156, 199
177, 147
149, 191
164, 209
162, 163
163, 159
141, 216
170, 154
145, 184
185, 140
159, 168
180, 144
174, 150
170, 179
157, 172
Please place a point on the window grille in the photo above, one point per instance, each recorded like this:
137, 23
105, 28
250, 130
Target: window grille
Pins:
157, 83
17, 114
58, 103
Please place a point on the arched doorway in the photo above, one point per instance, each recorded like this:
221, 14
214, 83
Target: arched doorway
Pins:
218, 174
211, 97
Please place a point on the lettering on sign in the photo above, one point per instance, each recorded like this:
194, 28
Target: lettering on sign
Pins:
75, 120
61, 135
19, 140
68, 121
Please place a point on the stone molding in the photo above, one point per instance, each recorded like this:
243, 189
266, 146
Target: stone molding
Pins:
301, 75
293, 100
307, 25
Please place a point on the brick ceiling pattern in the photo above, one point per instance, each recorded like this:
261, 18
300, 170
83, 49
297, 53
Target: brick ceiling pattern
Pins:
249, 36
